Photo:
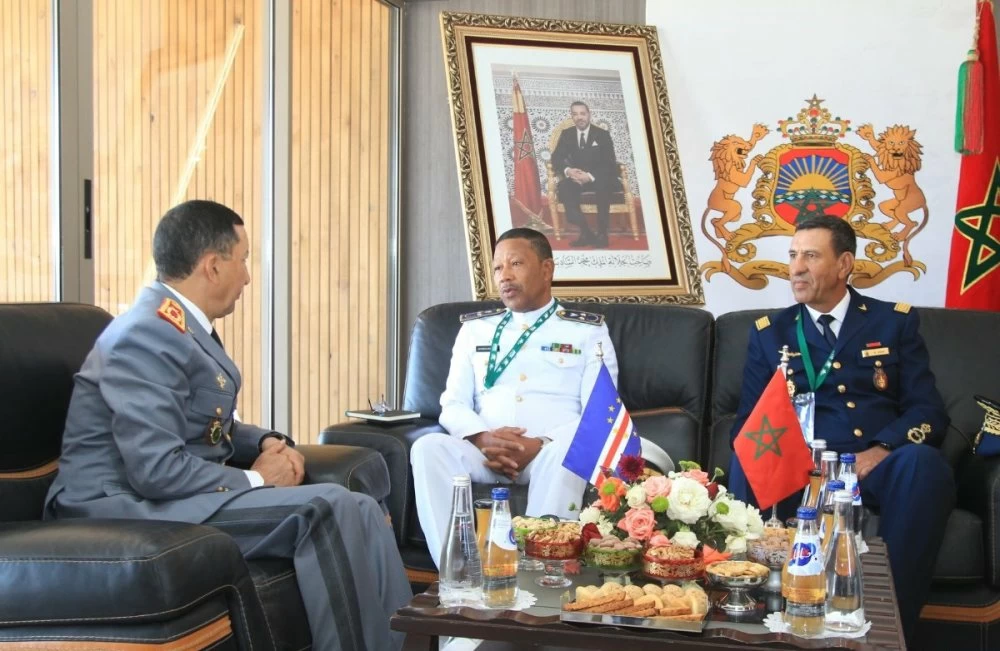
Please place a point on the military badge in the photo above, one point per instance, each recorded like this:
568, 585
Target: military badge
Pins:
171, 311
879, 378
214, 432
815, 173
221, 379
987, 441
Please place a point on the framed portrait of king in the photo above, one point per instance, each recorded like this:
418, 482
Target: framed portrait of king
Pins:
565, 127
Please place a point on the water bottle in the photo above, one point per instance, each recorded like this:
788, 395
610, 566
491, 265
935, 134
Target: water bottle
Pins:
804, 581
826, 521
845, 612
500, 556
460, 581
849, 475
828, 468
810, 496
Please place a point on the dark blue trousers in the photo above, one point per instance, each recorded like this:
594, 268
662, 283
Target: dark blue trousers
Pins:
913, 490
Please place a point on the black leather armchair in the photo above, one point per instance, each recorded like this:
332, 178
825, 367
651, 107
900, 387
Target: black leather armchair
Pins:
112, 583
963, 610
663, 358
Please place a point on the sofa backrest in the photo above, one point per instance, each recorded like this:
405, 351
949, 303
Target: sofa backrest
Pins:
42, 346
663, 355
965, 359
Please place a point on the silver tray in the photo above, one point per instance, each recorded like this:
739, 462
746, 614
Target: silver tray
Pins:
625, 620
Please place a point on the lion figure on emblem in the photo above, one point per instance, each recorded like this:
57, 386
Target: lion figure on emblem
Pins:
897, 160
729, 157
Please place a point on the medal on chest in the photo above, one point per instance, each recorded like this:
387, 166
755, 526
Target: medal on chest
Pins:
879, 378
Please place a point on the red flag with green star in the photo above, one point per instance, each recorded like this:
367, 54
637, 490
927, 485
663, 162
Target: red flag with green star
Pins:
527, 186
974, 266
771, 448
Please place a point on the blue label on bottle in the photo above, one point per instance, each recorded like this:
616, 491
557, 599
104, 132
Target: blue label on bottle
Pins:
806, 558
802, 553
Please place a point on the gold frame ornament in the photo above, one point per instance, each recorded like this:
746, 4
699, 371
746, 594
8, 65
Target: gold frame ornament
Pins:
659, 264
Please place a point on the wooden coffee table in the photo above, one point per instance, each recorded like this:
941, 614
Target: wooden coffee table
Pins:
540, 624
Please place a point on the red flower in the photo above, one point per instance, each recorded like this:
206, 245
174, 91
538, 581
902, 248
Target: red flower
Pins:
713, 490
630, 467
589, 532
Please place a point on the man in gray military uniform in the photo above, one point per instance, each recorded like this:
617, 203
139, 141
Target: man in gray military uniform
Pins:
518, 381
152, 425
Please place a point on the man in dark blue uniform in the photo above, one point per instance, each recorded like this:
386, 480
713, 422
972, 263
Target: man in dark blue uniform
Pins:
877, 399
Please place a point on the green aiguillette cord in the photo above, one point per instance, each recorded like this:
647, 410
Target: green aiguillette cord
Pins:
815, 382
494, 370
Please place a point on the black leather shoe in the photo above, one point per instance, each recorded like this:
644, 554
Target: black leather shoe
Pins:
600, 242
584, 240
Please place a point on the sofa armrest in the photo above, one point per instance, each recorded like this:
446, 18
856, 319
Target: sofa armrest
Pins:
359, 469
978, 480
71, 571
393, 441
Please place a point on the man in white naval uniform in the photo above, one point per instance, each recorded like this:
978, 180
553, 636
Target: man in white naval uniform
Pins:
513, 421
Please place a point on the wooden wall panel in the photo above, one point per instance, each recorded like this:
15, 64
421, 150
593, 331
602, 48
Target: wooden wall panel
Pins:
339, 209
178, 109
26, 265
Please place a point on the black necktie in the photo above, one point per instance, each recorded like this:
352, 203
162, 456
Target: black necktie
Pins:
218, 340
825, 320
583, 141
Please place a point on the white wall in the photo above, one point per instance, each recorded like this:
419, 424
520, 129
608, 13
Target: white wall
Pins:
730, 64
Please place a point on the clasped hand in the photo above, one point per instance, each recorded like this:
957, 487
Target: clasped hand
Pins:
577, 175
280, 465
506, 449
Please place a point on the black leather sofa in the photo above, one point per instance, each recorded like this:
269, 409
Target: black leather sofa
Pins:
112, 584
680, 376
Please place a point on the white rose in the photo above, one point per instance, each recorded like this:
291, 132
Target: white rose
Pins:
636, 496
590, 514
731, 514
736, 544
605, 526
755, 524
685, 539
689, 500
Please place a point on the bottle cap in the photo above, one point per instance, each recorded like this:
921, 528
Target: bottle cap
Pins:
819, 444
806, 513
500, 494
829, 455
835, 485
847, 457
843, 497
461, 480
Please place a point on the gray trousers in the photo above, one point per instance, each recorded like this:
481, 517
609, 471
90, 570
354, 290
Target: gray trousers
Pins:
346, 562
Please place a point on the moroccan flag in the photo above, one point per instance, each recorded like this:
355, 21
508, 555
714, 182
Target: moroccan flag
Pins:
771, 448
605, 433
527, 189
974, 266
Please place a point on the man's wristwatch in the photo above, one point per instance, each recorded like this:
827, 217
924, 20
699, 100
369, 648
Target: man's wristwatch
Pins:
544, 440
882, 444
276, 435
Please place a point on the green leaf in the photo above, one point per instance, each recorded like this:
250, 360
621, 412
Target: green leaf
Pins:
572, 506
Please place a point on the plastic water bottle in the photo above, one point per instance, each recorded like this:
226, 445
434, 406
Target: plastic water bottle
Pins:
849, 475
460, 581
845, 612
804, 584
500, 556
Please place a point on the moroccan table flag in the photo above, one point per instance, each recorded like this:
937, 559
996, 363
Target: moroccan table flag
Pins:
771, 448
527, 188
604, 435
974, 266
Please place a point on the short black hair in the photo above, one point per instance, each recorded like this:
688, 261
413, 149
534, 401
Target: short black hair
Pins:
842, 234
579, 103
538, 242
190, 230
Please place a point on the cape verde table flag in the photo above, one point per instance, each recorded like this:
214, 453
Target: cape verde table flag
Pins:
605, 432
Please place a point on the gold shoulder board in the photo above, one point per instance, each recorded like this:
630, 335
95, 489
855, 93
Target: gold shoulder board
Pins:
171, 312
472, 316
762, 322
902, 307
591, 318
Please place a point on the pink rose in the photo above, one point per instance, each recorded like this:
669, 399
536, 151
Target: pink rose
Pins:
659, 540
699, 476
638, 523
657, 486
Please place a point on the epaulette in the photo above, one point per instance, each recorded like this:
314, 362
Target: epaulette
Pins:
173, 313
762, 322
580, 316
472, 316
903, 308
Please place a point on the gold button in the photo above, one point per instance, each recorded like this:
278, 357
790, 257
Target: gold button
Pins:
791, 371
560, 360
523, 377
878, 363
218, 411
520, 399
836, 365
858, 433
841, 388
850, 405
525, 326
221, 489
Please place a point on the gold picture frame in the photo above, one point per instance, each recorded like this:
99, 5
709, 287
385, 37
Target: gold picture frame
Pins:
517, 87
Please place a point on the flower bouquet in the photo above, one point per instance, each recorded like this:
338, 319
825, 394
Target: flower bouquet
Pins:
685, 519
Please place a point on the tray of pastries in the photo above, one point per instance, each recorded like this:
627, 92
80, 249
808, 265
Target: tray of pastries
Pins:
671, 607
